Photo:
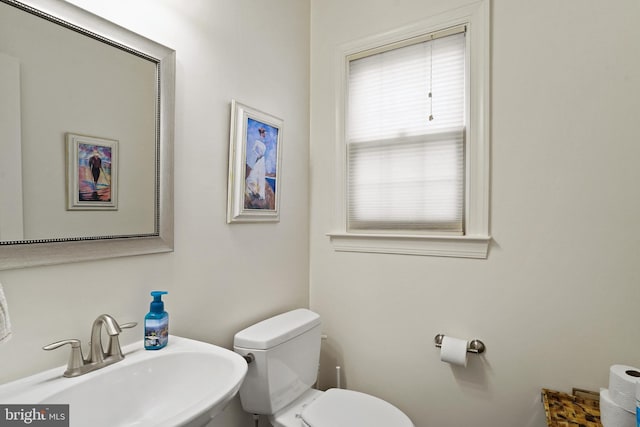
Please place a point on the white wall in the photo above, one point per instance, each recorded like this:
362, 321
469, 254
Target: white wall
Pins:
556, 302
220, 278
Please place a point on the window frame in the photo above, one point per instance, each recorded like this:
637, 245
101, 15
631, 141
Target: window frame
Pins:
476, 240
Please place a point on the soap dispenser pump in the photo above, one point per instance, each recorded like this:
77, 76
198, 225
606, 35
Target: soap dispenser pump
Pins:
156, 323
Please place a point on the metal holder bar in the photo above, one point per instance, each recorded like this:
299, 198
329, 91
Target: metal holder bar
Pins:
474, 346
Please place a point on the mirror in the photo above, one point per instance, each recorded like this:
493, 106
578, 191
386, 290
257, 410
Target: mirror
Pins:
86, 137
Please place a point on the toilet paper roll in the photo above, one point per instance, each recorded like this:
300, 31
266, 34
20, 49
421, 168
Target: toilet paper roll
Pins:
622, 386
612, 415
454, 351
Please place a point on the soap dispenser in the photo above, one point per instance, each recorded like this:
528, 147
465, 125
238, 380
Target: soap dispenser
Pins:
156, 323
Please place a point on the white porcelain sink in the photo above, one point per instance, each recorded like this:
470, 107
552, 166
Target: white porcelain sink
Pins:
185, 384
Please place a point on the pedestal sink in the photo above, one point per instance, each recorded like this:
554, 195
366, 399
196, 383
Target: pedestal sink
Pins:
185, 384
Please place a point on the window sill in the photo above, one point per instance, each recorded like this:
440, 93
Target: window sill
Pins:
444, 246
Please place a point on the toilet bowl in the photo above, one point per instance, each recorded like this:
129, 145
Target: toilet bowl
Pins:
284, 352
340, 408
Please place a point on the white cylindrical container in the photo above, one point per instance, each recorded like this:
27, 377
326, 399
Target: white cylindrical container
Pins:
622, 386
454, 351
613, 415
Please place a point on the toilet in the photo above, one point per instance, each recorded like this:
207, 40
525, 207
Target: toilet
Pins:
284, 354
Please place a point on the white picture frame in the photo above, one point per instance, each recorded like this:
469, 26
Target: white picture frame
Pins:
255, 167
92, 173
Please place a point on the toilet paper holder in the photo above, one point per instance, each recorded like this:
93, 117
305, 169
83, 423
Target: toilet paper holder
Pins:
474, 346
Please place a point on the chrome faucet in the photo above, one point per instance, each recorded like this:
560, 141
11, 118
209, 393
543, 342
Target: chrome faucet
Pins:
96, 351
98, 358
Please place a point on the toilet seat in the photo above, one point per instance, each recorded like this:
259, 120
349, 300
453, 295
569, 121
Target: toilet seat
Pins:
348, 408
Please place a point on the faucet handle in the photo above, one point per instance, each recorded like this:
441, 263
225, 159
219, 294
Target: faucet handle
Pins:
129, 325
76, 359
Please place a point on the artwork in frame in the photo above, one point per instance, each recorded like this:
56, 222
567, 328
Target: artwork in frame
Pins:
255, 150
92, 173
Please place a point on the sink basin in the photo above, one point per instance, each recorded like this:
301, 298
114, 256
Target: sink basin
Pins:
185, 384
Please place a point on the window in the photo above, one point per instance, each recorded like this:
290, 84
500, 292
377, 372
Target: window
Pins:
405, 136
413, 141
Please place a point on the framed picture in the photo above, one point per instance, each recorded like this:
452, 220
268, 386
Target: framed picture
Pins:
254, 165
92, 173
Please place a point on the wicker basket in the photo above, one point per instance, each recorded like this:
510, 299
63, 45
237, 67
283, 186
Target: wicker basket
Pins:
579, 409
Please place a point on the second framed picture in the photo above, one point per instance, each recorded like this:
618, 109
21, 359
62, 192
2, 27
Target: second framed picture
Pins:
92, 173
254, 165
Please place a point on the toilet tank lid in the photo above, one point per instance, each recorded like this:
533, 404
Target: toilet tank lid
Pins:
276, 330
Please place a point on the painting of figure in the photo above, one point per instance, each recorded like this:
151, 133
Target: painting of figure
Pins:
261, 165
94, 173
92, 166
255, 152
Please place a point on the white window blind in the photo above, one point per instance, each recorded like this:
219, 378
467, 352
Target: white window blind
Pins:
405, 137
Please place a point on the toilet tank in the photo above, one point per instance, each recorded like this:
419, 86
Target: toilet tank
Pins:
286, 351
